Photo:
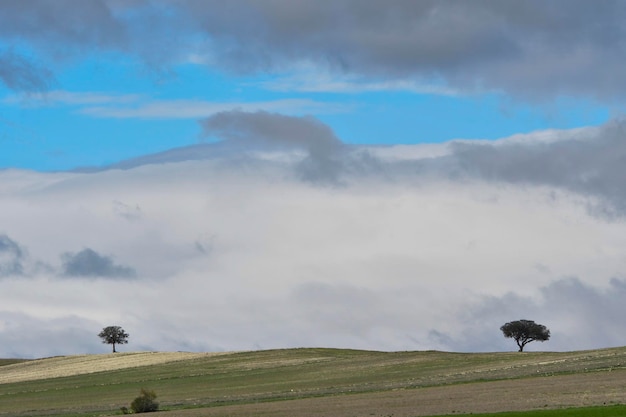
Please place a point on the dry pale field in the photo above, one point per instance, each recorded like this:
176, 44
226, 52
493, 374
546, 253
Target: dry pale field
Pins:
86, 364
594, 388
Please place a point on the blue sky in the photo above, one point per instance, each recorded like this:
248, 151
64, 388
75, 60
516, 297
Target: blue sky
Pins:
103, 102
98, 121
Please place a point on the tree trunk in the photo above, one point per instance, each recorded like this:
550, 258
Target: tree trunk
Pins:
114, 348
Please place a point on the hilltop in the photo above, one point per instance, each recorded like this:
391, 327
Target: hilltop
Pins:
314, 381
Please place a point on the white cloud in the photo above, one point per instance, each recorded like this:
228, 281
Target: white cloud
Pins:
317, 80
409, 248
374, 263
194, 109
48, 98
122, 106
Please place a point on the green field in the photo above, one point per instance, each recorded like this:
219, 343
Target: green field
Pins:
10, 361
614, 411
300, 381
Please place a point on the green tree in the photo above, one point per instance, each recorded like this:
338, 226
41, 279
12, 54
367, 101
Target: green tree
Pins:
525, 331
113, 335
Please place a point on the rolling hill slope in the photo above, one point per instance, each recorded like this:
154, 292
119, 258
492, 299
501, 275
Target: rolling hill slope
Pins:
301, 381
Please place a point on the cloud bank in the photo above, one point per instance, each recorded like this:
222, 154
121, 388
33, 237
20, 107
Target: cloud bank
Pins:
212, 247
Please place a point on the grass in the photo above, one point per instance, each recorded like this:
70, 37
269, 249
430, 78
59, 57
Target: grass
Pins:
206, 381
612, 411
4, 362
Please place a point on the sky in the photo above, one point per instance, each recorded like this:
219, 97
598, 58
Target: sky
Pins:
386, 175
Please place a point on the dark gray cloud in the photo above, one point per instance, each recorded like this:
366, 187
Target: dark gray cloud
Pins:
19, 73
62, 24
53, 31
278, 131
532, 49
593, 166
63, 31
273, 129
12, 257
90, 264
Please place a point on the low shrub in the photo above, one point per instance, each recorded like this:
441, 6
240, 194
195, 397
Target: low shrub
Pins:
145, 402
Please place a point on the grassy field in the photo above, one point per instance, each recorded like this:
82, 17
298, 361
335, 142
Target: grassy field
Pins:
316, 382
10, 361
615, 411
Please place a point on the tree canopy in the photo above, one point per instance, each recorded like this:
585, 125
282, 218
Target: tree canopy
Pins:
525, 331
113, 335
